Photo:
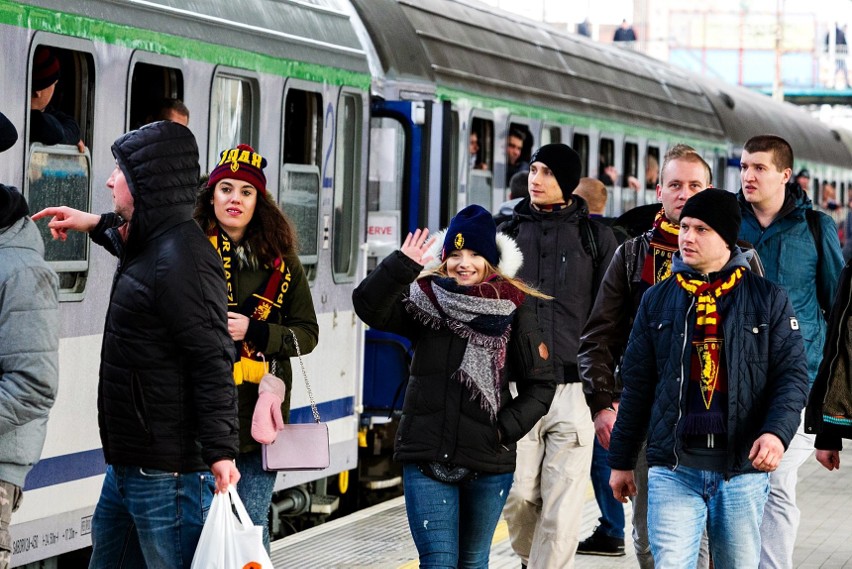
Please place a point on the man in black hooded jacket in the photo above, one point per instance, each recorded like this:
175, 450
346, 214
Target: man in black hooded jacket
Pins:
166, 398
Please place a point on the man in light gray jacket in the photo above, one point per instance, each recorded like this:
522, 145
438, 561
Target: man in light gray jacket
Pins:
29, 341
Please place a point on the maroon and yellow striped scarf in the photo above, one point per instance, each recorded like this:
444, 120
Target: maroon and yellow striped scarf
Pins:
658, 261
707, 393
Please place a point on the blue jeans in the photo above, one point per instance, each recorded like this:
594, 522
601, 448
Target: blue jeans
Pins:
255, 490
612, 511
148, 518
453, 524
681, 502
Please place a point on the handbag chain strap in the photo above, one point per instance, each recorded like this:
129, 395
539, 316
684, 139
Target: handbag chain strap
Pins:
305, 375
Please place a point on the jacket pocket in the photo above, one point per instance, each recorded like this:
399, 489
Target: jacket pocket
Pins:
755, 341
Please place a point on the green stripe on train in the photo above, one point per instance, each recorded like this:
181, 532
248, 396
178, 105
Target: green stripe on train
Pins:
41, 19
577, 120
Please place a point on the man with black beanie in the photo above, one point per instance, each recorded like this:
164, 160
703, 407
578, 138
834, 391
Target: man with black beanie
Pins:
715, 376
29, 343
565, 256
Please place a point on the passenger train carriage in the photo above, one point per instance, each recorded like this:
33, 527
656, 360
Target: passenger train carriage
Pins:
364, 110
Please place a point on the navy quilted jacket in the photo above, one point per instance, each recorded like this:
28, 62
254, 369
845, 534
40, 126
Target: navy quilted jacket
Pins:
766, 364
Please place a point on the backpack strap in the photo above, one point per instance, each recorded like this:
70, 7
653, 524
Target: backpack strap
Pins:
588, 237
815, 227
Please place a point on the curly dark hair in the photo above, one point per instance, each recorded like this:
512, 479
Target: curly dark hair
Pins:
269, 235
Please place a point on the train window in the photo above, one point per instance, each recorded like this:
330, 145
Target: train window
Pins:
302, 127
631, 175
385, 183
232, 107
581, 147
652, 174
347, 176
480, 179
59, 162
156, 93
299, 194
451, 153
519, 144
550, 135
607, 173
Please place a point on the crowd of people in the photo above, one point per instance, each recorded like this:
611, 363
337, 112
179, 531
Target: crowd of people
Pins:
677, 363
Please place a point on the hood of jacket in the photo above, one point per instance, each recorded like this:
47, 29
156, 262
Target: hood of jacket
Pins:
795, 199
738, 259
578, 207
160, 163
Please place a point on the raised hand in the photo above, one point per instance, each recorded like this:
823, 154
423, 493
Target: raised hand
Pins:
416, 246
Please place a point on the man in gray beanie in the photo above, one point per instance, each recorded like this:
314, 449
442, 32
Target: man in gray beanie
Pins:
29, 343
565, 256
716, 366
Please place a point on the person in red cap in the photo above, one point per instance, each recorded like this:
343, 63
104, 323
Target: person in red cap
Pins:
268, 300
48, 124
457, 298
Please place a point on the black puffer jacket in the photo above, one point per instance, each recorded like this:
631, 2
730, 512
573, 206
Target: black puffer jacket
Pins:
440, 421
166, 397
767, 371
556, 263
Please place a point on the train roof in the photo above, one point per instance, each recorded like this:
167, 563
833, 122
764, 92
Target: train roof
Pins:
463, 46
315, 32
745, 113
469, 47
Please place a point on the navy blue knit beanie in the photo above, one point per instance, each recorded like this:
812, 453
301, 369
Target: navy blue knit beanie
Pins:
473, 228
564, 162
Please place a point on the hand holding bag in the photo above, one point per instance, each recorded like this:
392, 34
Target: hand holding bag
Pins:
300, 446
230, 541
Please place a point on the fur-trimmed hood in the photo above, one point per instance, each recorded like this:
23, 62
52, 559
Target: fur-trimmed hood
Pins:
511, 258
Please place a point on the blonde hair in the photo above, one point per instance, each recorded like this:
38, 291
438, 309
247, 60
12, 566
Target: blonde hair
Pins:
441, 271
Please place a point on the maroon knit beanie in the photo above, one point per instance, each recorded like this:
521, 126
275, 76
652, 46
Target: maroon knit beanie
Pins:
45, 68
240, 163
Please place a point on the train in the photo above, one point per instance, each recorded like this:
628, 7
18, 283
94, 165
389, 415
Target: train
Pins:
365, 110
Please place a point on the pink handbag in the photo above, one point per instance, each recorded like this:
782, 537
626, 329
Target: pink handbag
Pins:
300, 446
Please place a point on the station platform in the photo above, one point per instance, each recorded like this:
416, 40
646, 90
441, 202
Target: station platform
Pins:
378, 537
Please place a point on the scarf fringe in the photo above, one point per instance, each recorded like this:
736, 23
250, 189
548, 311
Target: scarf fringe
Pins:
475, 395
431, 320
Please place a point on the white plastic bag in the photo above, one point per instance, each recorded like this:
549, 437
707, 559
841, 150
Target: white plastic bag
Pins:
228, 541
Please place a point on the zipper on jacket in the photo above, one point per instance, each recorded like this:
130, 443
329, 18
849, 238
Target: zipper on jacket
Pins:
680, 387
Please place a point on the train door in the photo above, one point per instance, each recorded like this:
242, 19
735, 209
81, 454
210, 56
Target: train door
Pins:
397, 195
